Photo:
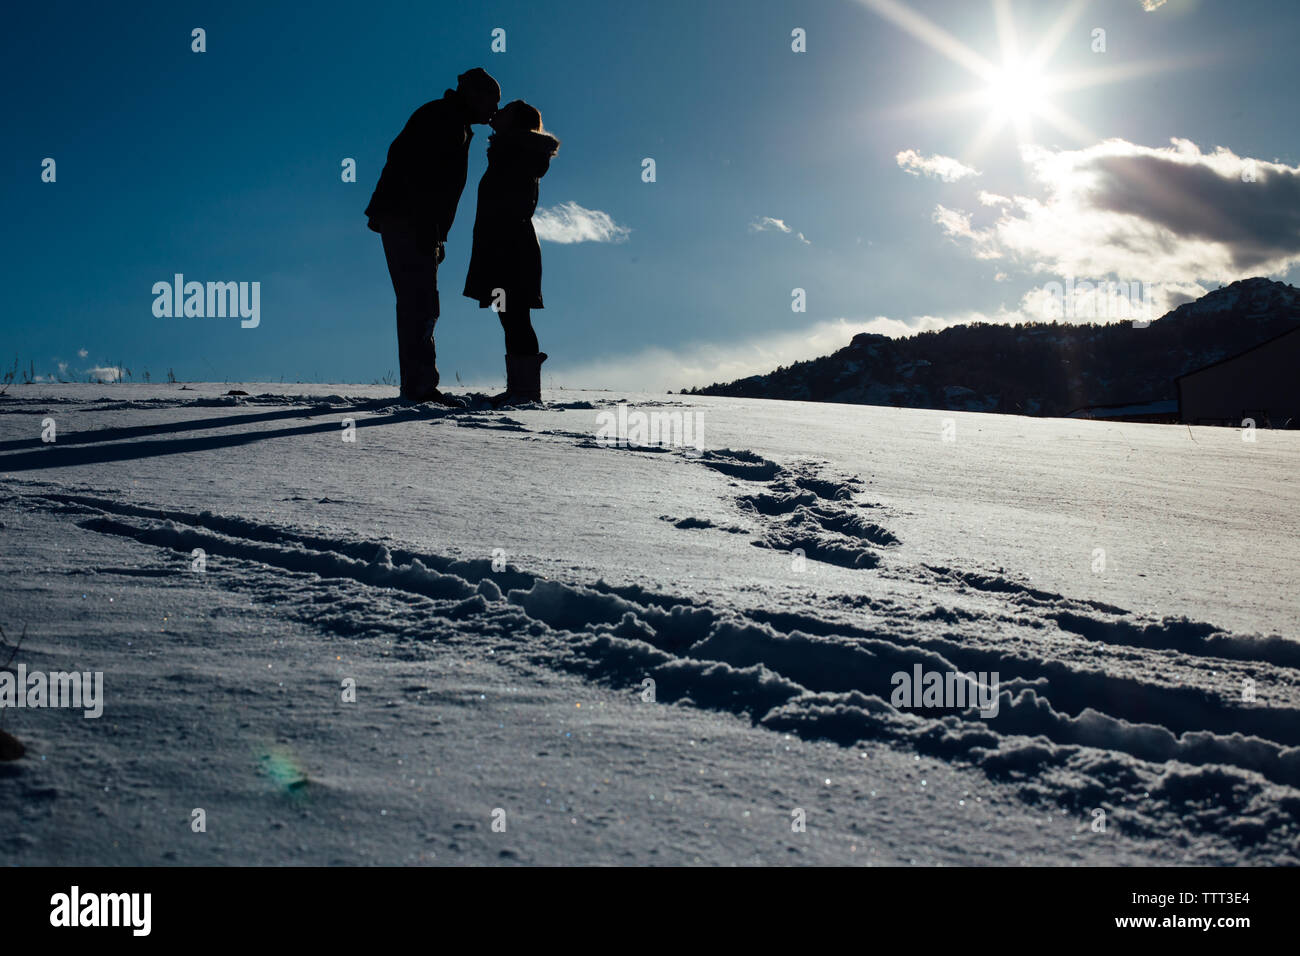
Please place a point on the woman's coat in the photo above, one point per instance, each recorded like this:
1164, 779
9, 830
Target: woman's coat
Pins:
506, 254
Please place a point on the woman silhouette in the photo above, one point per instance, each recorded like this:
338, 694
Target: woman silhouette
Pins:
505, 266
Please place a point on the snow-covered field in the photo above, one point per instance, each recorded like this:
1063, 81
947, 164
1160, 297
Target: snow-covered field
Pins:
627, 655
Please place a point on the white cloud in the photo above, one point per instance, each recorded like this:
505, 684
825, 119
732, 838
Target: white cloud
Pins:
765, 223
1172, 216
936, 167
1149, 5
568, 222
82, 353
1105, 301
659, 369
106, 374
957, 225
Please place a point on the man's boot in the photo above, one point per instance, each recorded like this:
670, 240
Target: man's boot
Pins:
428, 392
436, 397
523, 380
420, 372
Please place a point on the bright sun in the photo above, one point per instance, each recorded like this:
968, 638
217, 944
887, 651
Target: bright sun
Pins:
1020, 93
1015, 93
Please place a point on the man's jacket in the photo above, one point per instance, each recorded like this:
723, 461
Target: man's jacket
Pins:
424, 176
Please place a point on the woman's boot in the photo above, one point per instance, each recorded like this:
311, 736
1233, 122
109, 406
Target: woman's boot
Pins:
523, 380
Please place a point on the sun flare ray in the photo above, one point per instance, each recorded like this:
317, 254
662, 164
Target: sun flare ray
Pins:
1016, 92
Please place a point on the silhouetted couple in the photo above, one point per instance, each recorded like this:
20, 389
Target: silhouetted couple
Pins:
414, 205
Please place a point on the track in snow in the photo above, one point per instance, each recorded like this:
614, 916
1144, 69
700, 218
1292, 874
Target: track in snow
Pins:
1098, 707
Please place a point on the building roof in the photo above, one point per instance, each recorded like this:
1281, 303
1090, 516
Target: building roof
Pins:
1166, 407
1233, 358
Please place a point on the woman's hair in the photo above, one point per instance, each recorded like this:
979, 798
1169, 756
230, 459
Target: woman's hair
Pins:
522, 116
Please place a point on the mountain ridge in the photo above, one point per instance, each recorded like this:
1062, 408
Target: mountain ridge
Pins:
1038, 368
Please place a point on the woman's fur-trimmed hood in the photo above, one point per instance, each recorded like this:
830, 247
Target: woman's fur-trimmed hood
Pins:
531, 148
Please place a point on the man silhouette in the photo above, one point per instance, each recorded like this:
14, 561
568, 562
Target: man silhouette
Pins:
412, 209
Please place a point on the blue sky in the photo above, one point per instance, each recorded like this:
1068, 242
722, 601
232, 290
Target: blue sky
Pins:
856, 170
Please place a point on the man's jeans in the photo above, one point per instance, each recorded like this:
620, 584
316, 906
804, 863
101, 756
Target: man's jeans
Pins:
415, 281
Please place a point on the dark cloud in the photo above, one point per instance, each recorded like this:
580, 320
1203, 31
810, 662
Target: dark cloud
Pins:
1257, 222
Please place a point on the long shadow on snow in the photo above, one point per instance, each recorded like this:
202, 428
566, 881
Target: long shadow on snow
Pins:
56, 455
121, 433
